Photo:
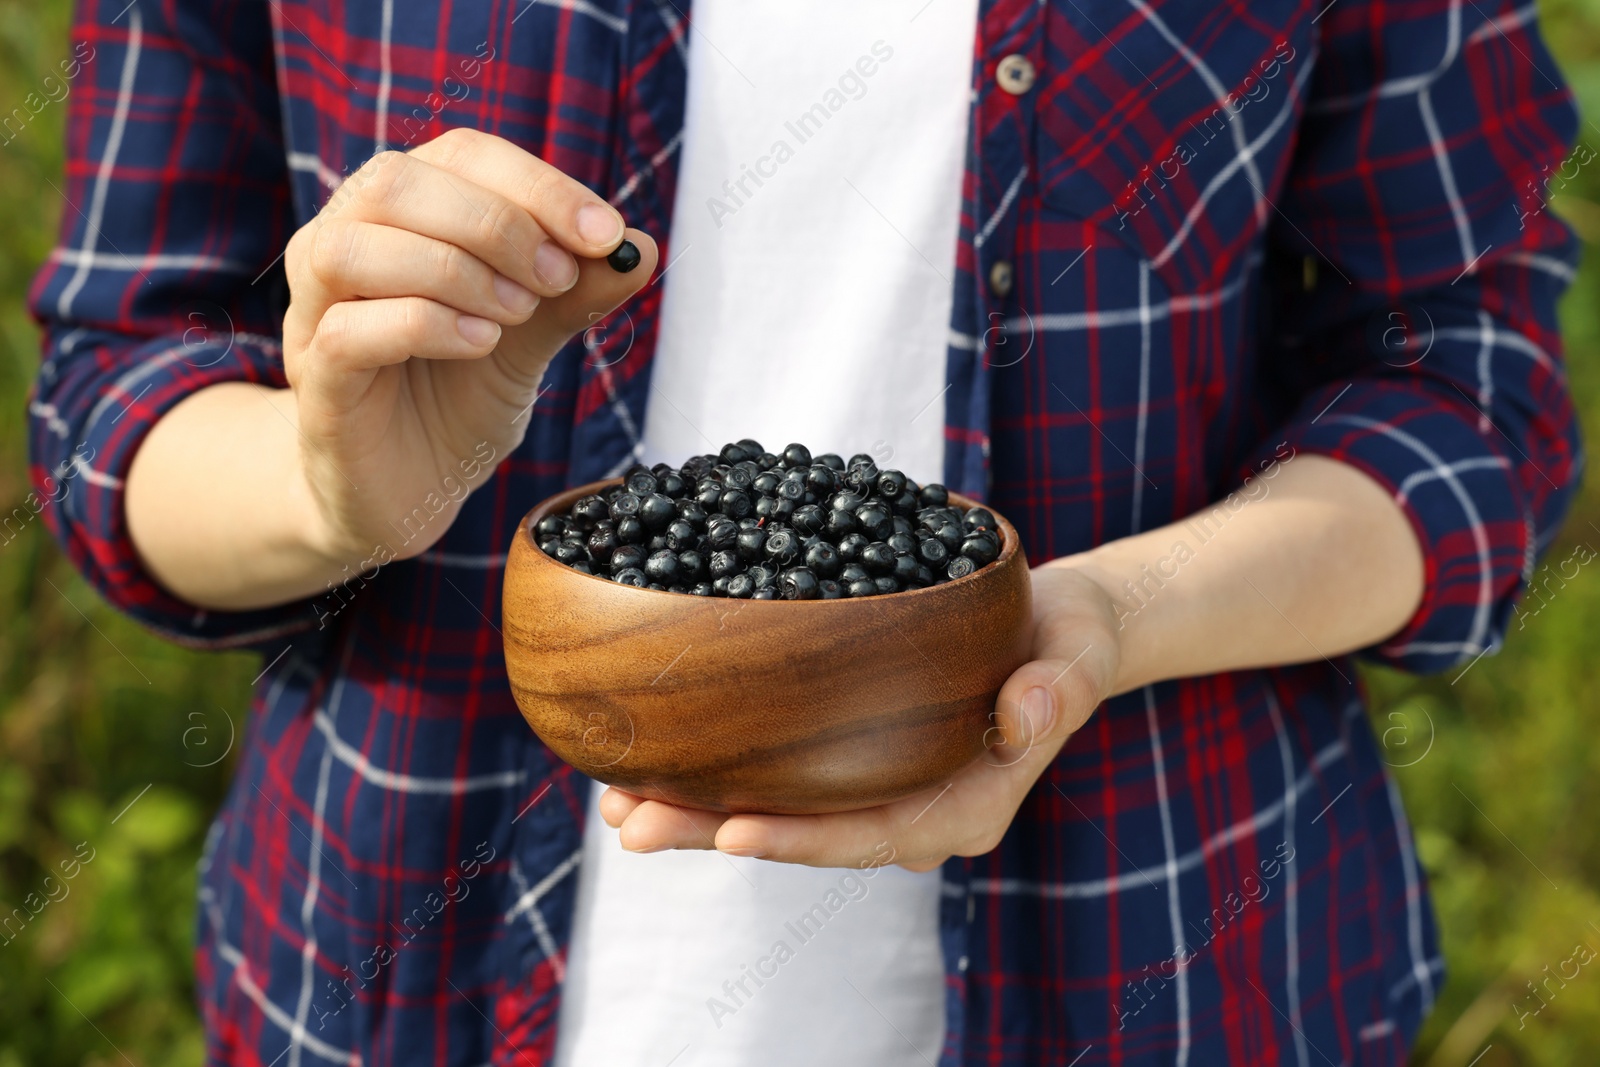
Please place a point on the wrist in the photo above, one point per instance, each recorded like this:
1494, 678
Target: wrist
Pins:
1134, 661
1074, 594
311, 538
218, 508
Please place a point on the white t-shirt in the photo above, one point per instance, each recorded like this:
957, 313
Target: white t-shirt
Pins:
808, 299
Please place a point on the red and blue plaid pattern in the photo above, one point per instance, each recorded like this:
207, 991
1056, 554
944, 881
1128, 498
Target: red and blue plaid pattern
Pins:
1237, 230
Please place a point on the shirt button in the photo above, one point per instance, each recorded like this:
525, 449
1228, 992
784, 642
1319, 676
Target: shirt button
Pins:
1015, 74
1000, 278
961, 964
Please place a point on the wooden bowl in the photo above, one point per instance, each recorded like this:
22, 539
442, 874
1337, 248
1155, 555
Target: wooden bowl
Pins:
774, 706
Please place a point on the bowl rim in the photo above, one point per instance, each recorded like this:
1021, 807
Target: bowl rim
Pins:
1010, 546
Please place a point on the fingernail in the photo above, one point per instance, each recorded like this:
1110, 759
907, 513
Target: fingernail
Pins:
599, 225
555, 265
646, 851
478, 332
1038, 712
747, 850
513, 297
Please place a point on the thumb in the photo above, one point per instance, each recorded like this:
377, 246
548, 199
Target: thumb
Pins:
1047, 699
600, 290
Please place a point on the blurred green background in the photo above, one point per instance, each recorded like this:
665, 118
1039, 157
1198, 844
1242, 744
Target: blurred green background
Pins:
96, 715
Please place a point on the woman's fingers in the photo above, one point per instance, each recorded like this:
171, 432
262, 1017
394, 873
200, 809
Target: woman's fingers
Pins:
566, 208
356, 337
615, 806
368, 261
919, 831
653, 826
474, 222
585, 308
407, 192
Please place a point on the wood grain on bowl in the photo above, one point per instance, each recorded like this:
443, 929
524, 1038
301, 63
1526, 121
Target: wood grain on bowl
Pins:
774, 706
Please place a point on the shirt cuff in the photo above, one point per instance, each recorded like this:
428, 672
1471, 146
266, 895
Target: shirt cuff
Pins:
93, 408
1460, 494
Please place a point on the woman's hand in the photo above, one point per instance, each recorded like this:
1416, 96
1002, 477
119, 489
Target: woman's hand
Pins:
1076, 656
1311, 558
427, 298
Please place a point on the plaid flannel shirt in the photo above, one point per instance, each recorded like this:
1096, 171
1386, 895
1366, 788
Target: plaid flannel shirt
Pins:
1231, 232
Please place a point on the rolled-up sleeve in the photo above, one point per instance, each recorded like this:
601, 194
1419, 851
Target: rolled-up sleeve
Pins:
163, 280
1421, 344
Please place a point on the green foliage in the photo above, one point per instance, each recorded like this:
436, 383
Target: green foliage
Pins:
93, 714
105, 730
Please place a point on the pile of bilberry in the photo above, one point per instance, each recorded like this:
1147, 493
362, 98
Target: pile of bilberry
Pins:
751, 525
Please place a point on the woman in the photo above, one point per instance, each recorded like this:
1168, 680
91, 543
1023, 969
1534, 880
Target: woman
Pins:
1244, 316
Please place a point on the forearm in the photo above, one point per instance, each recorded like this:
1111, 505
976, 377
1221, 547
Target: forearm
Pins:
1318, 560
217, 507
